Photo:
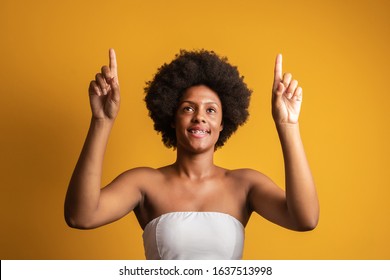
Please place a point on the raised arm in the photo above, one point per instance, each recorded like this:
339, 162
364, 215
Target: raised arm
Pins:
297, 208
86, 205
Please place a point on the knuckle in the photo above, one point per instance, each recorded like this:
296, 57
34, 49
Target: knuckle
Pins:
104, 69
93, 85
106, 72
287, 75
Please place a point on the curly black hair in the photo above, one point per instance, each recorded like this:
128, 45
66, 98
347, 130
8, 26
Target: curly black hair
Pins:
191, 68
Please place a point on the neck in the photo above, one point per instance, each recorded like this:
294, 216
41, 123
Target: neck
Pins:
194, 166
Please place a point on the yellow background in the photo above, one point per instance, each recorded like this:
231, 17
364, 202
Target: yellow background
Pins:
338, 50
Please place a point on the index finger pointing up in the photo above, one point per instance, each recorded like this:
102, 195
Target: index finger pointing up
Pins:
113, 64
278, 75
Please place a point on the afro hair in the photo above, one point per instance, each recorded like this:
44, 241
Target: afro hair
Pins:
191, 68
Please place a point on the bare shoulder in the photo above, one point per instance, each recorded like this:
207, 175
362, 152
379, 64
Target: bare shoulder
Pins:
141, 173
250, 176
136, 178
257, 183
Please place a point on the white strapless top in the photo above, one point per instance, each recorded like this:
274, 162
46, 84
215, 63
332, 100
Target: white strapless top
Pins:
194, 236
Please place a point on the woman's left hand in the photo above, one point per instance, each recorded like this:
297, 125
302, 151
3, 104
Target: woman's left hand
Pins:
286, 96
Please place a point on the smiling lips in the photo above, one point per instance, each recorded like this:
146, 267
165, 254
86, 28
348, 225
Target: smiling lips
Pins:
198, 132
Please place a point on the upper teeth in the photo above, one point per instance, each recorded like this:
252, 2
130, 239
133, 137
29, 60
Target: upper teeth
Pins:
198, 131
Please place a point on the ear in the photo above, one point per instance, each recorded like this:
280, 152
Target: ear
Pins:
221, 127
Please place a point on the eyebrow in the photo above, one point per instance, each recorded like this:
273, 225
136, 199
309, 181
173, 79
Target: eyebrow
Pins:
192, 102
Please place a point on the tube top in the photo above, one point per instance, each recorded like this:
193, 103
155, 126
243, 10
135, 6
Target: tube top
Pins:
194, 236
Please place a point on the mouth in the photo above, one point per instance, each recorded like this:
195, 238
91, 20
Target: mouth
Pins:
199, 131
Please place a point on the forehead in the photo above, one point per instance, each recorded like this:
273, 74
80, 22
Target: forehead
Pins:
200, 94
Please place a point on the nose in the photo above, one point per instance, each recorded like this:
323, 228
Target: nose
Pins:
199, 117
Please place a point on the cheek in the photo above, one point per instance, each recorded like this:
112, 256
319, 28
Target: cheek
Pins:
179, 121
218, 125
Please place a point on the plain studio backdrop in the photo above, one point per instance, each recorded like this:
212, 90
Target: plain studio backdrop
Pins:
338, 50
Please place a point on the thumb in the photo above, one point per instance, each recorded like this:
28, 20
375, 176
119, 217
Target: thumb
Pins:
115, 80
279, 90
115, 91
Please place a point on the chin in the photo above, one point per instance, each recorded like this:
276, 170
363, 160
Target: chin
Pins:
196, 149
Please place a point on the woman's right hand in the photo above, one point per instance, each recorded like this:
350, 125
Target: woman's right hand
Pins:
104, 93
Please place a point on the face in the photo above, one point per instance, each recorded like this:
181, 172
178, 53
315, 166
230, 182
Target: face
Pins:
198, 119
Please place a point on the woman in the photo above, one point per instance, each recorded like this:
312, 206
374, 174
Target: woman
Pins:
193, 209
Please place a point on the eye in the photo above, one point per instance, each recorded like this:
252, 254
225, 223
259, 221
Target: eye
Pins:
211, 110
188, 109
